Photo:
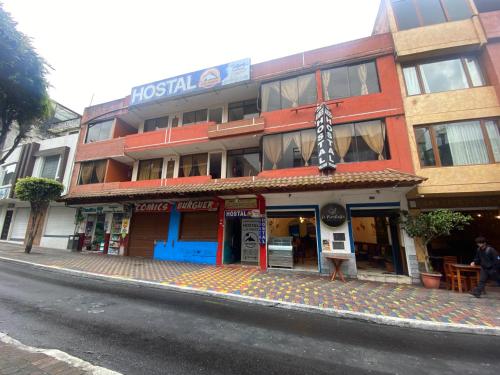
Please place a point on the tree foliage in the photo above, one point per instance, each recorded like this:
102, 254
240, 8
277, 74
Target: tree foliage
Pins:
23, 87
39, 192
430, 225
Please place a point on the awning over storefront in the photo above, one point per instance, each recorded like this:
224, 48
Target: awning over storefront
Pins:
253, 185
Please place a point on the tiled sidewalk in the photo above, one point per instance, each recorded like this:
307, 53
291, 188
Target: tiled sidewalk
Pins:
380, 299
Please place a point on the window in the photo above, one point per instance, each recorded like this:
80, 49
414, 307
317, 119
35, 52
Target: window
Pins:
289, 150
243, 162
150, 169
443, 75
175, 121
8, 173
155, 124
215, 115
242, 110
194, 117
99, 131
289, 93
361, 141
191, 230
193, 165
215, 164
170, 168
459, 143
92, 172
49, 167
415, 13
353, 80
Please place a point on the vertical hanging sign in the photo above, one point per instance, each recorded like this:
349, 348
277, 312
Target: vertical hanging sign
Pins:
324, 137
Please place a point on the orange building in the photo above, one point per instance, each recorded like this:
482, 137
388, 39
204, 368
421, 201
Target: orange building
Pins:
226, 165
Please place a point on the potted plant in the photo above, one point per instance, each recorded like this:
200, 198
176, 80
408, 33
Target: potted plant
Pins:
428, 226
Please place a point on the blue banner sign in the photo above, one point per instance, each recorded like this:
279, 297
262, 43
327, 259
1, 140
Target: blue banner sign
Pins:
222, 75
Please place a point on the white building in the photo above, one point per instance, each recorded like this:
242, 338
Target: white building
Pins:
45, 153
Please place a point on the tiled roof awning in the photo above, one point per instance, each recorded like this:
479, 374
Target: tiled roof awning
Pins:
253, 185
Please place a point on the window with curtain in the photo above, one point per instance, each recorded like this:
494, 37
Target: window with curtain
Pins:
243, 162
150, 169
194, 117
459, 143
155, 124
443, 75
415, 13
49, 166
92, 172
193, 165
170, 168
99, 131
289, 93
289, 150
352, 80
361, 141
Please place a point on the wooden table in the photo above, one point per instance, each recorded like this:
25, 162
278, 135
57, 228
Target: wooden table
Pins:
465, 268
337, 260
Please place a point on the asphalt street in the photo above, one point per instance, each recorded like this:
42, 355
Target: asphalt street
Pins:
142, 330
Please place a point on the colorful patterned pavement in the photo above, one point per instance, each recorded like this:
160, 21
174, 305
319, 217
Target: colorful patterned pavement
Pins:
380, 299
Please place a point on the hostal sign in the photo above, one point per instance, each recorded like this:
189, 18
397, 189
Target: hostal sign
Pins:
324, 137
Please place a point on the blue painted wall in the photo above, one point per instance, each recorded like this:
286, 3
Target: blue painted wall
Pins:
184, 251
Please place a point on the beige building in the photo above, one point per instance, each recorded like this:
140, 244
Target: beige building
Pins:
448, 62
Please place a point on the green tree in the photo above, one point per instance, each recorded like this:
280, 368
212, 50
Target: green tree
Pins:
430, 225
23, 87
39, 192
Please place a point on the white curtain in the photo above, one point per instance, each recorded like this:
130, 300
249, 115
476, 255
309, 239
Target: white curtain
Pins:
373, 133
327, 77
273, 149
494, 135
362, 74
269, 90
307, 143
307, 89
474, 71
342, 139
411, 80
466, 143
289, 91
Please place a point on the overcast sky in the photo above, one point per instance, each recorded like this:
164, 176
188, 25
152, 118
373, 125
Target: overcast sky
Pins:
100, 49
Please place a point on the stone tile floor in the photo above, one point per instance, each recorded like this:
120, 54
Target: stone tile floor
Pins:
382, 299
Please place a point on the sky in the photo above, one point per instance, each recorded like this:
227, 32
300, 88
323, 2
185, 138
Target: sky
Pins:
99, 49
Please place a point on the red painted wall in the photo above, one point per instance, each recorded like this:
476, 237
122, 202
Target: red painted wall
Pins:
116, 171
121, 129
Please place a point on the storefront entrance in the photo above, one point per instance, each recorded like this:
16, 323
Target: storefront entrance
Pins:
146, 228
377, 242
232, 240
241, 240
292, 241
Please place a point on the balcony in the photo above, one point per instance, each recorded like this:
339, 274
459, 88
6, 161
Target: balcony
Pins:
449, 37
235, 128
110, 148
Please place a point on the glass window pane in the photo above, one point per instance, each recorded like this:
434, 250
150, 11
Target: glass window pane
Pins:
99, 131
363, 79
431, 12
443, 76
326, 77
289, 93
307, 89
8, 174
406, 14
215, 114
215, 165
271, 97
49, 168
424, 147
461, 143
188, 117
457, 9
244, 163
370, 140
340, 83
155, 123
170, 168
474, 71
372, 78
494, 135
411, 80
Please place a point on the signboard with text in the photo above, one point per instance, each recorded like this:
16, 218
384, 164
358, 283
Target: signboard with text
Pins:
250, 240
152, 207
217, 76
206, 205
324, 137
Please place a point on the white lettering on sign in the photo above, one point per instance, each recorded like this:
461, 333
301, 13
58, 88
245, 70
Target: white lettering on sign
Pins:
324, 137
197, 205
152, 207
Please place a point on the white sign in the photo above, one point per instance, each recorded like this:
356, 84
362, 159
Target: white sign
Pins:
250, 240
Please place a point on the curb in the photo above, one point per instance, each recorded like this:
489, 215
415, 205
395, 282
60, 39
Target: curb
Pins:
343, 314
